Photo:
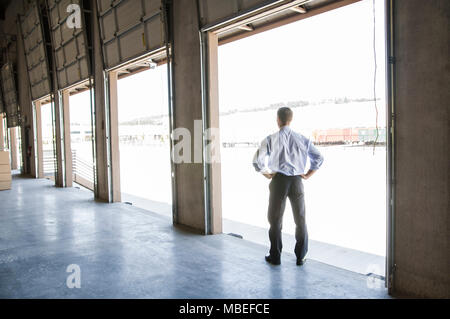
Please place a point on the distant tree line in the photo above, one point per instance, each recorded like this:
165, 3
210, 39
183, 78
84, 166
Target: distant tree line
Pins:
149, 120
299, 103
157, 119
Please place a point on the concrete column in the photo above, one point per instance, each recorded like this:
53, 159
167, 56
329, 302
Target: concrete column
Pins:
189, 177
102, 191
13, 143
114, 136
40, 152
215, 189
67, 141
422, 177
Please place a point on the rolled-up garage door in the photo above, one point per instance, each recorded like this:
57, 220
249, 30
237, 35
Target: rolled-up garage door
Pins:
130, 29
69, 40
10, 95
35, 52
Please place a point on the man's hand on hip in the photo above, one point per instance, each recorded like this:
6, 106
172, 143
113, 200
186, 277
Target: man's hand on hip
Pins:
307, 175
269, 176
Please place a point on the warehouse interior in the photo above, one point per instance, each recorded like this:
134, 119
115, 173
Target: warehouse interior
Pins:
54, 49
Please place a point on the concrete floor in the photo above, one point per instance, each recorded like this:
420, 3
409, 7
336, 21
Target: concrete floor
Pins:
341, 257
127, 252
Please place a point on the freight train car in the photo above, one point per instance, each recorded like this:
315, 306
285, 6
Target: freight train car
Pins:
336, 136
369, 135
349, 136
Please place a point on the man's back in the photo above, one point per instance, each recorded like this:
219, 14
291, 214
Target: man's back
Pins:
288, 152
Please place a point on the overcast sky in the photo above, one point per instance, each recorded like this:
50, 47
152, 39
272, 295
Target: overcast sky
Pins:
326, 56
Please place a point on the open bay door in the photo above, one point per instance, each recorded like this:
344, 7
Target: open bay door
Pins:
226, 21
31, 28
133, 38
70, 33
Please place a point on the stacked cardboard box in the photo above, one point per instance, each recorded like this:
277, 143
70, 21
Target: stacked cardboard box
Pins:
5, 171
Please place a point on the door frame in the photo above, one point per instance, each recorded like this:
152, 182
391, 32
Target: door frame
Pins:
112, 124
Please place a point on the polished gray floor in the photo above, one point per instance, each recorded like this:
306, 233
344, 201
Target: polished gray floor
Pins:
341, 257
127, 252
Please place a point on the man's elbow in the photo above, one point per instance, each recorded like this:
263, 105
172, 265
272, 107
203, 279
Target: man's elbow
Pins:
321, 159
318, 163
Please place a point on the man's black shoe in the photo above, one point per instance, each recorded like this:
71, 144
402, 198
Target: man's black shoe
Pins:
300, 262
270, 260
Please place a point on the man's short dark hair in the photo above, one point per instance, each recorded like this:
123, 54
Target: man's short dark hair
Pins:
285, 115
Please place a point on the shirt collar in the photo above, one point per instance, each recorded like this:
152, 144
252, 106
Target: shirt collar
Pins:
285, 128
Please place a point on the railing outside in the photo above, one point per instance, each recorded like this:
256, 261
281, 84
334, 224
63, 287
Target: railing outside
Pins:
49, 163
83, 171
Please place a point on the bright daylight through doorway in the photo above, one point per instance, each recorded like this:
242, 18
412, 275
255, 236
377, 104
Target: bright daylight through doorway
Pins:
48, 151
81, 140
145, 170
323, 68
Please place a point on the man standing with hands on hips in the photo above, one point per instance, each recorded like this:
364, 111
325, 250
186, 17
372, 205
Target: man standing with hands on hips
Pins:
287, 153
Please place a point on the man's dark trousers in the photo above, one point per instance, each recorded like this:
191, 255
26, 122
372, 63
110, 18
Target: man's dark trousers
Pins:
282, 187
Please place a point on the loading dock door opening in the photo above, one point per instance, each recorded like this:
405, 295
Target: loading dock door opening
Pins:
323, 68
48, 150
81, 139
144, 140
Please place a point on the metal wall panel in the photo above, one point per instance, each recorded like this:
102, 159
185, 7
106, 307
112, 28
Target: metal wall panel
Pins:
10, 95
35, 52
69, 44
129, 29
216, 11
226, 18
